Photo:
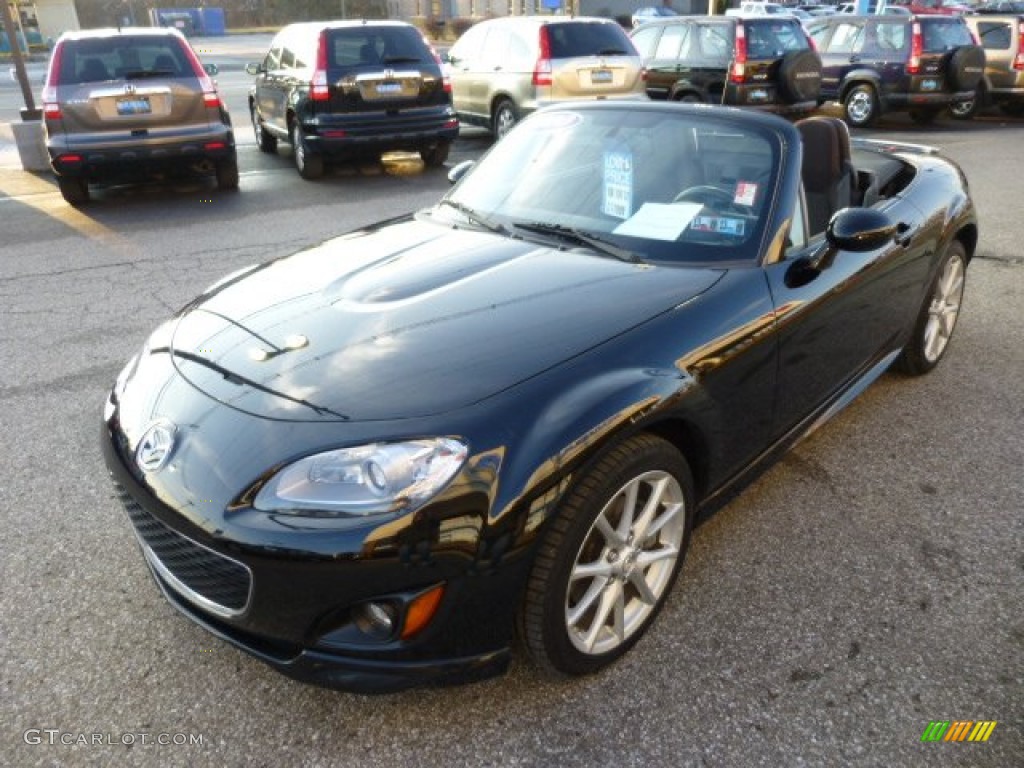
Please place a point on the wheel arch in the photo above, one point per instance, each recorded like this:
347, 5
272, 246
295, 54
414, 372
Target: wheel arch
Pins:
861, 77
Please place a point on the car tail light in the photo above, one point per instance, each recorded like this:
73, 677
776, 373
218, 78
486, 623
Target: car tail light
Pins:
51, 107
542, 69
739, 62
810, 40
69, 159
1018, 60
916, 48
446, 81
210, 96
318, 87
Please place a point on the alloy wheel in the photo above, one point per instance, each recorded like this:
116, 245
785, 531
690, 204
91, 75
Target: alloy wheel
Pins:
944, 308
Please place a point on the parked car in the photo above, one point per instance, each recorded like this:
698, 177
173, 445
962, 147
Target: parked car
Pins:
878, 64
757, 8
1000, 7
931, 7
368, 464
129, 104
505, 68
1002, 37
343, 89
765, 62
643, 15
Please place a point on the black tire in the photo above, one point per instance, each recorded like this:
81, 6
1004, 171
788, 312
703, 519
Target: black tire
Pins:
860, 106
309, 165
264, 140
924, 116
936, 321
504, 118
1012, 108
226, 170
75, 191
434, 157
688, 97
966, 110
800, 76
586, 567
965, 67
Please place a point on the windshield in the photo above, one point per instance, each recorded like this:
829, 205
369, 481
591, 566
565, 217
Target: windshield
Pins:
667, 186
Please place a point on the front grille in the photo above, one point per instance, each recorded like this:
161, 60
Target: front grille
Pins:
206, 578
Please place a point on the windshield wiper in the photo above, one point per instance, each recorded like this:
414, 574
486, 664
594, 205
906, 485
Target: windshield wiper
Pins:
583, 238
611, 52
477, 218
399, 59
141, 74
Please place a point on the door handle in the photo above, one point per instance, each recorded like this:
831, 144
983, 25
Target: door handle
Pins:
855, 59
904, 234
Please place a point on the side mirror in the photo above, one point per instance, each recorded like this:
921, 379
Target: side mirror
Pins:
211, 69
455, 174
860, 229
254, 68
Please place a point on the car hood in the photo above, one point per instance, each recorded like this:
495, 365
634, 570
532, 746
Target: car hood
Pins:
410, 319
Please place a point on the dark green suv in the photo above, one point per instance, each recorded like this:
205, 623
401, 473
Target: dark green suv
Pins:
765, 62
876, 64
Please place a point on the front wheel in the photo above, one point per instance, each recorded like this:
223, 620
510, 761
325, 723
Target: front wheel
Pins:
264, 140
937, 319
861, 106
609, 557
309, 165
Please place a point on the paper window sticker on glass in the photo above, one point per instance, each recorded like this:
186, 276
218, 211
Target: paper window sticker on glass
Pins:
617, 187
746, 193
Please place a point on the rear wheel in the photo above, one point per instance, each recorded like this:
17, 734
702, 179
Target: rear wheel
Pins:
227, 172
74, 190
434, 157
861, 106
309, 165
264, 140
504, 118
609, 557
965, 110
937, 319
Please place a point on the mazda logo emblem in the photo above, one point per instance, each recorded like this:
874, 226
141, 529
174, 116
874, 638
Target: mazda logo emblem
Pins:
156, 446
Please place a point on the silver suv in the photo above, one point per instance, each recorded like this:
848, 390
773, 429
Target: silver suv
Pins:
133, 103
503, 69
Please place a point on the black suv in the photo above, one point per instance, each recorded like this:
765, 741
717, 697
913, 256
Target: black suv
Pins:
876, 64
766, 62
333, 88
133, 103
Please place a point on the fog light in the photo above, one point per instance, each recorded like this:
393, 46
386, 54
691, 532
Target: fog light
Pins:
376, 619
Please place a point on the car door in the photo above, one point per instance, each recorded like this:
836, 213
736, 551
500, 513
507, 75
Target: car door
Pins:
664, 65
466, 69
840, 55
269, 94
834, 325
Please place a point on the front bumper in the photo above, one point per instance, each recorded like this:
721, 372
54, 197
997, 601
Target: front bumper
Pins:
294, 608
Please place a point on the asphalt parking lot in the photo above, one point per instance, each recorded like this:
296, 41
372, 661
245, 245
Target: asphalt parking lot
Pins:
868, 584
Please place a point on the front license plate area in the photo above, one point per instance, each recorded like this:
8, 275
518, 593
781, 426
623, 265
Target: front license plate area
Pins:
135, 105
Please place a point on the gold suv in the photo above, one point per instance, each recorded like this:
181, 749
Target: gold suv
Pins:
1002, 37
503, 69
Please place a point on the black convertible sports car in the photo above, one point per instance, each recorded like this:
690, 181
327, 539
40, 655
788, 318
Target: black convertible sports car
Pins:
372, 463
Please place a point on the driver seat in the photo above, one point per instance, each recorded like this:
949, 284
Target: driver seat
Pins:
827, 170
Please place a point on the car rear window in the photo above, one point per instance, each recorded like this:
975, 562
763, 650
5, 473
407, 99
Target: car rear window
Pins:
122, 57
940, 35
571, 40
770, 38
375, 46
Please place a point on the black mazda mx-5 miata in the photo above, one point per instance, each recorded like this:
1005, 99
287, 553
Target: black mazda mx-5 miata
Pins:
373, 463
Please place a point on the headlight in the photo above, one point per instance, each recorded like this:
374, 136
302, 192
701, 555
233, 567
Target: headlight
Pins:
366, 480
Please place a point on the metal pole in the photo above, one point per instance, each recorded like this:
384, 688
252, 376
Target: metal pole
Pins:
30, 112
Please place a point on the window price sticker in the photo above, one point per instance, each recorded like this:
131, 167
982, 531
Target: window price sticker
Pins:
617, 195
746, 193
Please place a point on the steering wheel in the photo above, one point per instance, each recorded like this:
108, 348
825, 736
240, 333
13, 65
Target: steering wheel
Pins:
713, 197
